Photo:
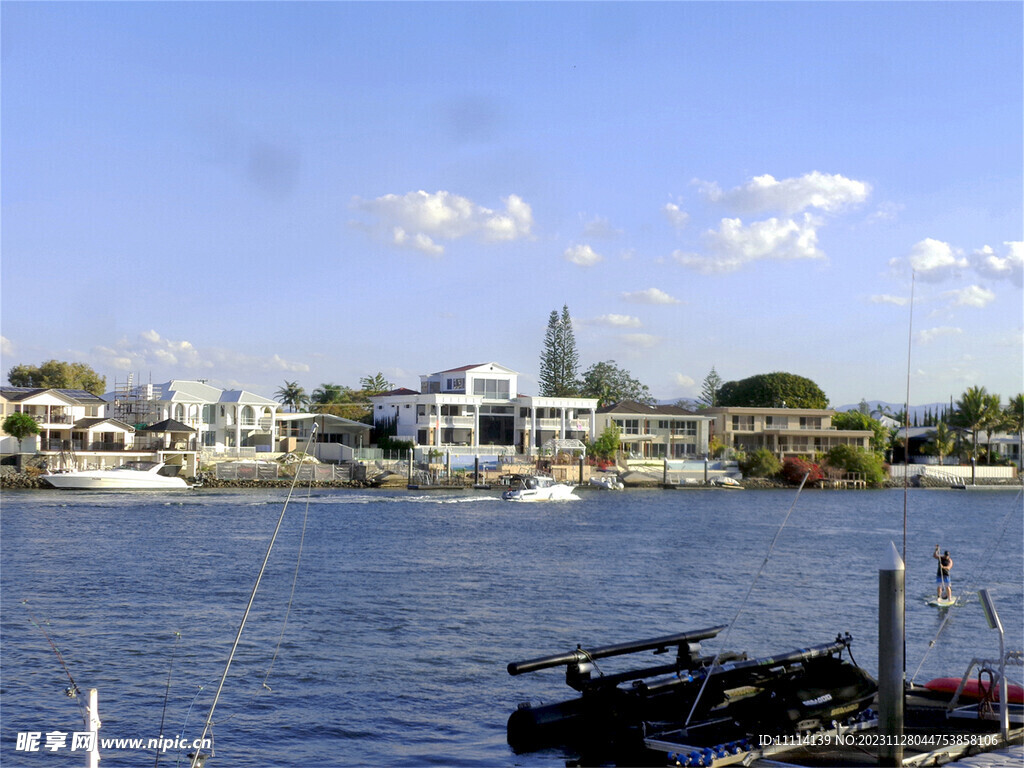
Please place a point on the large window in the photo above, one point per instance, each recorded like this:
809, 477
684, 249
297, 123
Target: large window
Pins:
491, 389
628, 426
743, 423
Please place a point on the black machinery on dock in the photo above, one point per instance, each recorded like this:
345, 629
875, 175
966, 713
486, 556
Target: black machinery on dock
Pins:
701, 700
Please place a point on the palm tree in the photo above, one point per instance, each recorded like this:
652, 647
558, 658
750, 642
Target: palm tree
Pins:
292, 395
1014, 414
973, 411
327, 395
994, 421
941, 443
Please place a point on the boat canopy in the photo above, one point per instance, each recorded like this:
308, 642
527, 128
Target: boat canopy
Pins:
556, 446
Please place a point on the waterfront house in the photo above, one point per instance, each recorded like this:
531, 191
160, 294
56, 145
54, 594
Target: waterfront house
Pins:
336, 438
232, 423
225, 421
657, 431
75, 432
477, 409
783, 431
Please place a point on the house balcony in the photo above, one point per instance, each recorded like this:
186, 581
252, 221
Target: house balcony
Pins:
451, 422
97, 446
53, 418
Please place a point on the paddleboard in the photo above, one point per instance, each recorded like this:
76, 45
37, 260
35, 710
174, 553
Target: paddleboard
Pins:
941, 603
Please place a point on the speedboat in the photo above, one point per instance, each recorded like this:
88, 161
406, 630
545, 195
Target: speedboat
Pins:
609, 482
540, 488
133, 475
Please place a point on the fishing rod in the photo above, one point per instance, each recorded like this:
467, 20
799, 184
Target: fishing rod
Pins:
197, 758
72, 691
743, 604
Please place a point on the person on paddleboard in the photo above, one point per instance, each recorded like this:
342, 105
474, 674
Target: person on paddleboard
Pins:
942, 574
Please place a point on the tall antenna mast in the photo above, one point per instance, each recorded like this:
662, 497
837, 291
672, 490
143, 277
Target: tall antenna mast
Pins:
906, 418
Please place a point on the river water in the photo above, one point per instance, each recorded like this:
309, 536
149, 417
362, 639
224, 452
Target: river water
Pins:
408, 605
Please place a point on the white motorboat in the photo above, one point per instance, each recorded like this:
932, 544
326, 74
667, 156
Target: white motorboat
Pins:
609, 482
133, 475
540, 488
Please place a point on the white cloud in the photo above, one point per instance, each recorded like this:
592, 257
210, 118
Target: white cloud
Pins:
6, 346
677, 217
887, 211
178, 358
1011, 266
931, 334
645, 340
649, 296
600, 228
683, 380
734, 245
823, 191
932, 260
582, 256
885, 298
971, 296
418, 220
618, 321
418, 242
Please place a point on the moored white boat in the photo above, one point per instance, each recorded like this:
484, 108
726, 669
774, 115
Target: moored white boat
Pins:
133, 475
540, 488
609, 482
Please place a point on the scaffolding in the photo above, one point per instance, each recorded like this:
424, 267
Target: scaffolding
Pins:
135, 404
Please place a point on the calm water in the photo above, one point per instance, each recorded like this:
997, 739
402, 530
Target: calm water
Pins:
408, 606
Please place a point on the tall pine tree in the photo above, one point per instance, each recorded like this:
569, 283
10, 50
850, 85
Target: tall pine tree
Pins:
559, 360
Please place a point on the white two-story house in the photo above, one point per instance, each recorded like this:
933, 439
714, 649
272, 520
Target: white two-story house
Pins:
657, 431
223, 419
477, 409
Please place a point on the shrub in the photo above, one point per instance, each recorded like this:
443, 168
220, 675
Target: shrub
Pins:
848, 458
794, 469
761, 463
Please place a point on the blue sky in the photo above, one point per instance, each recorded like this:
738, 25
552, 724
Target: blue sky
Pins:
251, 193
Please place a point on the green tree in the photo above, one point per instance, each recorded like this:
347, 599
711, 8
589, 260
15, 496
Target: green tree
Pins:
339, 400
761, 463
55, 374
941, 443
850, 458
292, 395
611, 384
559, 361
772, 390
995, 420
19, 426
607, 444
973, 411
375, 385
709, 389
860, 420
1015, 423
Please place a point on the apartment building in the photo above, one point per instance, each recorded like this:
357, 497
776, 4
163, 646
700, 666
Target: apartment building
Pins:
478, 408
657, 431
783, 431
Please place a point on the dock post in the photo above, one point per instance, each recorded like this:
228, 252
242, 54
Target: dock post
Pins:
476, 469
581, 470
94, 726
891, 651
994, 622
